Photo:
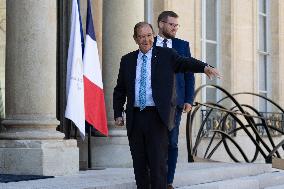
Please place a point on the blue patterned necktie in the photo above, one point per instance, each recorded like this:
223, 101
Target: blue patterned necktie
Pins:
142, 87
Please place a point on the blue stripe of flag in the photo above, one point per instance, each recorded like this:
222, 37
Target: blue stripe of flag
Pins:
90, 27
81, 28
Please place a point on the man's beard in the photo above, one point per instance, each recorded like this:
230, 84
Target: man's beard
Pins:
168, 36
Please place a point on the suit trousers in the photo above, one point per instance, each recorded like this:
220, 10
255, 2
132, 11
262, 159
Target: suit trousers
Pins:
149, 149
173, 146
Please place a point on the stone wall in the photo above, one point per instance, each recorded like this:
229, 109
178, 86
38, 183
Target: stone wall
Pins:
2, 56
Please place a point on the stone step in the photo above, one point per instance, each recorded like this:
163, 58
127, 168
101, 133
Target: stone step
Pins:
227, 184
120, 178
198, 173
265, 180
270, 179
188, 174
275, 187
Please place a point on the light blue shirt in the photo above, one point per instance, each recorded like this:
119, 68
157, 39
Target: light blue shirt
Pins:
149, 97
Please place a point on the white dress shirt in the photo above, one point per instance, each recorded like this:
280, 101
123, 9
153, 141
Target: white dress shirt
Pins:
160, 42
149, 97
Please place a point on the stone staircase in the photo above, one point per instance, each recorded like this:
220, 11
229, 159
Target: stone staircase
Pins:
188, 176
239, 176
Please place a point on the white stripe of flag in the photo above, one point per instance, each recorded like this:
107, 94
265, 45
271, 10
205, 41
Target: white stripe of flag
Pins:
75, 109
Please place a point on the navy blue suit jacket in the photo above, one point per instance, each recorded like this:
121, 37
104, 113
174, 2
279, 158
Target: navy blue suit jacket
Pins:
185, 82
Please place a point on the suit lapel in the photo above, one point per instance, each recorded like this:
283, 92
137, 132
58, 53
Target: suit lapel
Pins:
174, 43
132, 69
155, 41
153, 63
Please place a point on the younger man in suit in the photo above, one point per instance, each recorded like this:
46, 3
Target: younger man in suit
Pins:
168, 26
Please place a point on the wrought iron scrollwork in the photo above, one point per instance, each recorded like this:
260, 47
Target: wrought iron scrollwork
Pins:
221, 121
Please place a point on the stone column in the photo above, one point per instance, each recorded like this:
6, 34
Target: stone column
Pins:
30, 143
119, 18
281, 49
2, 56
277, 44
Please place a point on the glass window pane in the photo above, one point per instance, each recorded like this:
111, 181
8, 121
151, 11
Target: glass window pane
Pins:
263, 72
262, 6
262, 33
211, 54
211, 27
211, 94
262, 103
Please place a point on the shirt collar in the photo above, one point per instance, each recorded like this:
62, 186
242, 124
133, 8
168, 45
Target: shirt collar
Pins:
160, 39
148, 54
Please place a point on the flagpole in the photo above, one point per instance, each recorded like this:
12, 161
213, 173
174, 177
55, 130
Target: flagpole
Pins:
72, 126
89, 148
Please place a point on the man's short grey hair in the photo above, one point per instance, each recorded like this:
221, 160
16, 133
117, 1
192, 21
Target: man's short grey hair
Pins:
140, 25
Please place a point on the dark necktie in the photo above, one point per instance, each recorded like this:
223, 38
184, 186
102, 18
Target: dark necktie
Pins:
165, 43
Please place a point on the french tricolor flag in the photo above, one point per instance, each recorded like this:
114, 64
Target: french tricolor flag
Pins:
95, 112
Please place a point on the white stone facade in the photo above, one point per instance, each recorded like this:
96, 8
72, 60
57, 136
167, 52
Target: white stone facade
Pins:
238, 56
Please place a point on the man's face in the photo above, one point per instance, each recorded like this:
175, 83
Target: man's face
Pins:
169, 27
144, 38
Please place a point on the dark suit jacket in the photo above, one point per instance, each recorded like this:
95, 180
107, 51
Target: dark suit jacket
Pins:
165, 63
185, 82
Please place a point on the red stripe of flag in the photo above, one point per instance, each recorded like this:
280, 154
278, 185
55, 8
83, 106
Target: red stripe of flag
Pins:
95, 111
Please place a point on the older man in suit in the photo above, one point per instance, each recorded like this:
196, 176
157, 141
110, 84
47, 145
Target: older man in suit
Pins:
185, 82
147, 80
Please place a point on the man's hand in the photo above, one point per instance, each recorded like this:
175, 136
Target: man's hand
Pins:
211, 72
119, 121
186, 107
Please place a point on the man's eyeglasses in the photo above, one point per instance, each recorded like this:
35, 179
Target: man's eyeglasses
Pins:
172, 24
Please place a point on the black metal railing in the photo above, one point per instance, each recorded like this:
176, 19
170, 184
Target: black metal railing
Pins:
221, 121
216, 119
275, 119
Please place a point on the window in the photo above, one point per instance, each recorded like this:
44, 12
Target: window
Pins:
210, 44
263, 55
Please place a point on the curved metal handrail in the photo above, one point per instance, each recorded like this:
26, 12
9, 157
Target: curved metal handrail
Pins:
246, 124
